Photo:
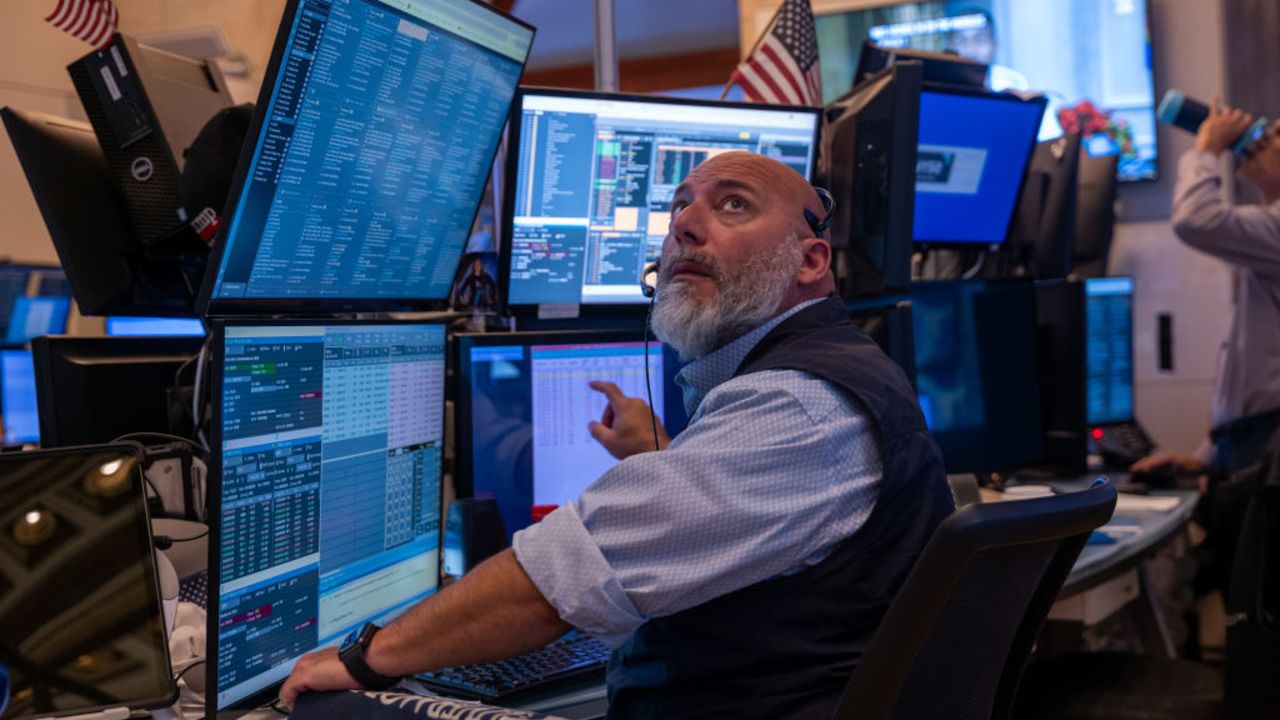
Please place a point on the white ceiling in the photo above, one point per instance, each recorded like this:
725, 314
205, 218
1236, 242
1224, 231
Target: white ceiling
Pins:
645, 28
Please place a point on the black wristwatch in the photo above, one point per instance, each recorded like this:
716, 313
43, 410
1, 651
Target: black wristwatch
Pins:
352, 655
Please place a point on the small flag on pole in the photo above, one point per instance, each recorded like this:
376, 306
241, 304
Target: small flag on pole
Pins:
783, 67
92, 21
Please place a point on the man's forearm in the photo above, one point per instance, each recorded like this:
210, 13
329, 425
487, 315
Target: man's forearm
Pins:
494, 612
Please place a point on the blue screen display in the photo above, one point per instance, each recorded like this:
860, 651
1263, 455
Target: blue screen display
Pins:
375, 146
975, 352
136, 326
330, 444
35, 316
529, 406
18, 397
972, 155
596, 175
1109, 350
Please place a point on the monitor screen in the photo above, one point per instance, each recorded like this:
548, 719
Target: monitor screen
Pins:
374, 135
81, 625
594, 176
1109, 350
35, 316
971, 158
525, 406
327, 505
18, 397
975, 352
1092, 58
144, 326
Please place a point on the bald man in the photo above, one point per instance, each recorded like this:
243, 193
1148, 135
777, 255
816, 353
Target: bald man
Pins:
741, 570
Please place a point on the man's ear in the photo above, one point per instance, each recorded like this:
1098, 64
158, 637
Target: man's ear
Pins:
816, 255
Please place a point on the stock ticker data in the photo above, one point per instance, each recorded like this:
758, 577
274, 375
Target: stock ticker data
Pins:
595, 177
331, 441
374, 149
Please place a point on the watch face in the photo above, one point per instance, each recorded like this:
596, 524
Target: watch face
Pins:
351, 640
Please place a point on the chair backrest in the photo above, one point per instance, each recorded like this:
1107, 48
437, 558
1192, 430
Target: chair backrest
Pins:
955, 639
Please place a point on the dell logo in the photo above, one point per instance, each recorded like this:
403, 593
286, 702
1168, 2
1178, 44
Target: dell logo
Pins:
142, 168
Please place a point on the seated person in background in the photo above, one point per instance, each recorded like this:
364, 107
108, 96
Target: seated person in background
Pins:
1246, 396
742, 570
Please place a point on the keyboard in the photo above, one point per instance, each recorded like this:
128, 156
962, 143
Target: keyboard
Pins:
573, 657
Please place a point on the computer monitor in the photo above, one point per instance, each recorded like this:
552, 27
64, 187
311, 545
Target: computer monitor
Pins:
936, 67
1060, 354
1095, 214
1093, 59
327, 447
972, 157
870, 166
18, 407
524, 406
145, 326
367, 158
1044, 235
96, 389
593, 176
107, 267
975, 352
35, 316
1109, 350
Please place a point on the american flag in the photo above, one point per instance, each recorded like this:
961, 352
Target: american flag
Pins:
783, 68
92, 21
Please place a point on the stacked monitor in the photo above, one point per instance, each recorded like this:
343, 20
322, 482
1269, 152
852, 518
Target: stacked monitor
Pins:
972, 157
329, 441
1109, 350
367, 158
34, 301
18, 403
593, 176
975, 357
371, 143
148, 326
524, 407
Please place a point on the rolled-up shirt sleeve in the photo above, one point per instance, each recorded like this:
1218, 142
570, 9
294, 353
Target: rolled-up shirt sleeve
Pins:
1244, 235
775, 470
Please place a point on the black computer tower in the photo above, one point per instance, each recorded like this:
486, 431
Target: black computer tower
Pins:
146, 106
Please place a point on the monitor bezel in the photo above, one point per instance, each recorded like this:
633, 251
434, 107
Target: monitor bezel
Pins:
209, 306
1133, 373
998, 245
463, 472
216, 348
512, 165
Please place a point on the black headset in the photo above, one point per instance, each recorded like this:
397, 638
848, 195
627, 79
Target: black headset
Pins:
649, 275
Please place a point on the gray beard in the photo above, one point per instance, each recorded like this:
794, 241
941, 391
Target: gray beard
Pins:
746, 300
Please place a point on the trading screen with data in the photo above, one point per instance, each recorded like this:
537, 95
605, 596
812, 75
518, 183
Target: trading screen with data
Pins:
595, 176
330, 450
1109, 350
374, 144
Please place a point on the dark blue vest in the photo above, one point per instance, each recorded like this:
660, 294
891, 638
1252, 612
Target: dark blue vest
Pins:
785, 648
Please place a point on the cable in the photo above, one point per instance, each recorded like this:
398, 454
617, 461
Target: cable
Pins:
977, 267
178, 675
648, 385
173, 540
167, 436
275, 705
195, 395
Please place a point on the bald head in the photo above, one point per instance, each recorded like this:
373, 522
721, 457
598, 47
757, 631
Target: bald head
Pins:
788, 190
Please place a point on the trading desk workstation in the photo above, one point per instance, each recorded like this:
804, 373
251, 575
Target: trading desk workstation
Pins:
314, 440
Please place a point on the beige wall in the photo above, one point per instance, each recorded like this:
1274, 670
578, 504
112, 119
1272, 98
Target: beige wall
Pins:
33, 76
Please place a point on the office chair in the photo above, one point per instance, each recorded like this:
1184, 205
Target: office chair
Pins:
957, 635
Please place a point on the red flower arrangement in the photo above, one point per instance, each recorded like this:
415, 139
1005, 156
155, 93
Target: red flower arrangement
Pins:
1089, 120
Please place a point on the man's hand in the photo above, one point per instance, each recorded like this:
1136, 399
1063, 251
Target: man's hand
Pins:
626, 427
1222, 128
1170, 462
317, 671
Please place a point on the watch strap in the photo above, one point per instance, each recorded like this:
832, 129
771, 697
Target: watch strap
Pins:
353, 659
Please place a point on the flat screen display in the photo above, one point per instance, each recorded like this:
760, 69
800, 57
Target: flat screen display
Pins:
18, 403
970, 163
81, 628
526, 406
1092, 58
328, 458
375, 133
594, 176
1109, 350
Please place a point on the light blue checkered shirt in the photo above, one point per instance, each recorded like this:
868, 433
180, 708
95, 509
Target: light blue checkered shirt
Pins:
774, 469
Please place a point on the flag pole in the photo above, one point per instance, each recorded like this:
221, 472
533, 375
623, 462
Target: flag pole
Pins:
755, 47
